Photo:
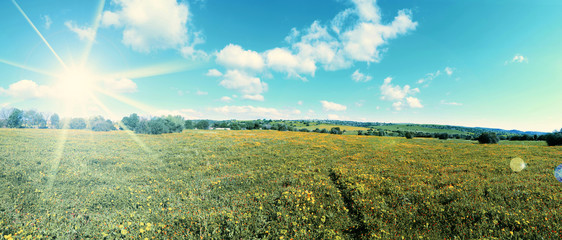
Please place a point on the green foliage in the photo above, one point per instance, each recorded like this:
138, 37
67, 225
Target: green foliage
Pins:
131, 122
55, 121
100, 124
408, 135
202, 124
189, 124
77, 123
443, 136
15, 120
554, 139
488, 138
335, 130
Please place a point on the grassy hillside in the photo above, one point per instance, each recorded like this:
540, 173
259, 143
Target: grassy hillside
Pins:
271, 184
417, 128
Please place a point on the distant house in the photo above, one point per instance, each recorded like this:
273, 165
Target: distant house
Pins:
221, 129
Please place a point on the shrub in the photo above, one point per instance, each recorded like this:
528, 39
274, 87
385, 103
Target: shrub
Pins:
488, 137
443, 136
409, 135
554, 139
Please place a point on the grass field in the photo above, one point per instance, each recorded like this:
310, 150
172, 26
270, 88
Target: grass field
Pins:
273, 185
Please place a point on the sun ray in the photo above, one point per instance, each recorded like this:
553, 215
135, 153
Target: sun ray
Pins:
126, 100
28, 68
61, 141
127, 130
156, 70
39, 33
96, 26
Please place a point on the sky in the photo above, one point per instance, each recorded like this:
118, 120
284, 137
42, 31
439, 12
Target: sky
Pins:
468, 63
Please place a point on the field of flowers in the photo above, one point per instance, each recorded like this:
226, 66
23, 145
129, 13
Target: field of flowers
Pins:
273, 185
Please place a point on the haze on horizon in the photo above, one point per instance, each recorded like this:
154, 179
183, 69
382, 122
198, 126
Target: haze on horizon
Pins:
479, 63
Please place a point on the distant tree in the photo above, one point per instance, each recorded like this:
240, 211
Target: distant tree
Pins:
100, 124
188, 124
15, 120
443, 136
335, 130
202, 124
317, 130
409, 135
77, 123
131, 122
55, 121
554, 139
359, 132
304, 130
488, 138
324, 130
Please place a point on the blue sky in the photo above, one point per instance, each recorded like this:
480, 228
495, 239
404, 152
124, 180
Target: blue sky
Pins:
470, 63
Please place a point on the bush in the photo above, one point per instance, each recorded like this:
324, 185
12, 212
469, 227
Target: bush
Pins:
409, 135
554, 139
443, 136
335, 130
77, 123
488, 138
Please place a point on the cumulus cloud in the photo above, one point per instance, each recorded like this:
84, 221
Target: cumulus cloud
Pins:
214, 73
84, 33
399, 95
226, 99
282, 60
360, 77
243, 82
255, 97
332, 106
153, 24
27, 89
233, 56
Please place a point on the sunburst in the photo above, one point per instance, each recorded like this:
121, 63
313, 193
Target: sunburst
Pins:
76, 86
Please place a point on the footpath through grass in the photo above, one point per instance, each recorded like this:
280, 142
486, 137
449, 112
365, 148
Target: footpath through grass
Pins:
271, 184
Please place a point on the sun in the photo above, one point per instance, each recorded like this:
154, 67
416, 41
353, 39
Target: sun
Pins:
75, 85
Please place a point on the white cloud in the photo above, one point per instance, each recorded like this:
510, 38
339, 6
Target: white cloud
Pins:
185, 113
120, 85
26, 89
48, 21
430, 76
337, 117
332, 106
151, 24
413, 102
233, 56
398, 94
367, 10
282, 60
360, 77
360, 103
297, 112
518, 58
299, 102
449, 71
255, 97
226, 99
242, 82
84, 33
201, 93
394, 92
450, 103
214, 73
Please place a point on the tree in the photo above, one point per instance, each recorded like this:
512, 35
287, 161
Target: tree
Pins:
443, 136
202, 124
335, 130
409, 135
100, 124
359, 132
554, 139
488, 138
174, 123
188, 124
15, 119
157, 126
77, 123
131, 122
55, 121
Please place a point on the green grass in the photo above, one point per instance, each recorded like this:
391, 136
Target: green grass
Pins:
271, 184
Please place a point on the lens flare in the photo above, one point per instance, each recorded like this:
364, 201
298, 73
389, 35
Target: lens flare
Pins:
517, 164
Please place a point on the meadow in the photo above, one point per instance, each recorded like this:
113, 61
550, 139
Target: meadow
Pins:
272, 185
